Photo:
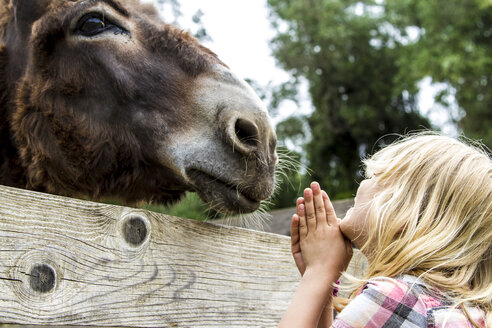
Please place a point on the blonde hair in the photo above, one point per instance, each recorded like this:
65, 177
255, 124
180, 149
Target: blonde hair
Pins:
432, 217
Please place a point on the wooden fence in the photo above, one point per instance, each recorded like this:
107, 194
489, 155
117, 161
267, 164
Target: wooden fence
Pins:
65, 261
70, 262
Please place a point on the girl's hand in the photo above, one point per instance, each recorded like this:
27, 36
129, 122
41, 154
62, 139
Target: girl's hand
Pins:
324, 249
321, 253
295, 238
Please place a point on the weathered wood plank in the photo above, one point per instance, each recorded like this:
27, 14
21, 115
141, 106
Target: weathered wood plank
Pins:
73, 262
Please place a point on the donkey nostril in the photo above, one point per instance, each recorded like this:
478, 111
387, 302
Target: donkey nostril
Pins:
247, 132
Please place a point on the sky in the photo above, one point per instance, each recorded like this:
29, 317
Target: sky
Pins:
240, 32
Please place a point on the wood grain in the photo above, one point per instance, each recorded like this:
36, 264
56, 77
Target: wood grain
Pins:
118, 266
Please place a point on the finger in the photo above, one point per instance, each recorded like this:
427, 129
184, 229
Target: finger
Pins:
294, 231
331, 216
319, 206
299, 201
309, 208
303, 229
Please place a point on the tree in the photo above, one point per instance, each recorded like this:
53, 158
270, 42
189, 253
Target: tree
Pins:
453, 45
172, 10
352, 64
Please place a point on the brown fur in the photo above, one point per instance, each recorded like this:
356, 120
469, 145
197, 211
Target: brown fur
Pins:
103, 115
72, 124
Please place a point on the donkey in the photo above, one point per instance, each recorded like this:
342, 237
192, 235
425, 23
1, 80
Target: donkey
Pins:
101, 98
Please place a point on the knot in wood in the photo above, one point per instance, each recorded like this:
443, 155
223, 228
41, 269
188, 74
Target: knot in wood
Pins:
42, 278
135, 230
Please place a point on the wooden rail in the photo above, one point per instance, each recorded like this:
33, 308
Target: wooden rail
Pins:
65, 261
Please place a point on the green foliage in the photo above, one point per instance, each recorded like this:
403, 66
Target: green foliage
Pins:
190, 207
352, 64
175, 8
294, 129
454, 46
200, 33
292, 178
172, 9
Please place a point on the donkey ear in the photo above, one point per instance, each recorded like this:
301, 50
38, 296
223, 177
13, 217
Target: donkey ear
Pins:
27, 12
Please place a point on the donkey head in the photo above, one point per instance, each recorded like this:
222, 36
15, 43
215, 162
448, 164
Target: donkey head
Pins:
111, 101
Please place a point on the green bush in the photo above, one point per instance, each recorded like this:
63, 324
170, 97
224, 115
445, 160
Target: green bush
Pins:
190, 207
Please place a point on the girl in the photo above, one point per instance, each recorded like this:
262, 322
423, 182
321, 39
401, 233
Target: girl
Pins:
423, 219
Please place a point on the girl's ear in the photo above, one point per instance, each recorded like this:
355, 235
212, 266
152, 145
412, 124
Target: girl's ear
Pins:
27, 12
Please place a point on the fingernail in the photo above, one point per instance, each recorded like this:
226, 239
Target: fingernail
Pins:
315, 186
307, 192
301, 207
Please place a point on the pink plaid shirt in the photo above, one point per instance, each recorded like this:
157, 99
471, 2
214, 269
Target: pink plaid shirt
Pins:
403, 302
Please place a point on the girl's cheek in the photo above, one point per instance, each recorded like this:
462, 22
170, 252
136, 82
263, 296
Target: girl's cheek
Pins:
346, 226
349, 213
353, 227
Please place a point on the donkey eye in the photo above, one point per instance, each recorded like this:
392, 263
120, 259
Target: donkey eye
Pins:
92, 26
94, 23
